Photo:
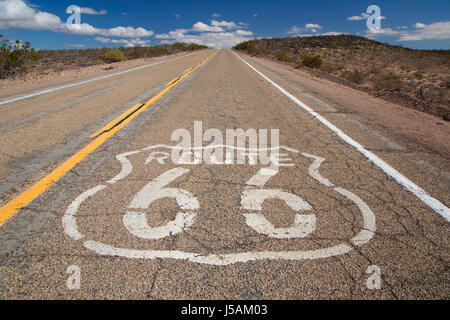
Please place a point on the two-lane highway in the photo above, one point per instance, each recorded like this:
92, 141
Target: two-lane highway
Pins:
126, 219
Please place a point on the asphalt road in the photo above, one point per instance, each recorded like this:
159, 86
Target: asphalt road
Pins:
122, 220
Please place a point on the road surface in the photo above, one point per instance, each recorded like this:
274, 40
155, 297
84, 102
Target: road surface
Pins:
94, 205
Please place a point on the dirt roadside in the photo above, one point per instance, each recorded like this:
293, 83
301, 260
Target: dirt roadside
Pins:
35, 81
414, 130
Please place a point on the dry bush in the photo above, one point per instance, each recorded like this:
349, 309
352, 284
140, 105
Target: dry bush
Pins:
389, 82
355, 76
114, 55
314, 62
16, 58
283, 57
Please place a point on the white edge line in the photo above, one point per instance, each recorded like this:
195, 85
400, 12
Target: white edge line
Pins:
407, 184
92, 80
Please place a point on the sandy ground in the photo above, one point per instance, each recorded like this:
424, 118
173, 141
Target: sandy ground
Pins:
220, 255
35, 81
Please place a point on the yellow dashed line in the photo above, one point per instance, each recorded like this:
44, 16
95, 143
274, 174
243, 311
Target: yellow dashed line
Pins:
31, 193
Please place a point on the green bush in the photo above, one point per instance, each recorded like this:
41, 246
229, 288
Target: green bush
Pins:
15, 58
354, 76
390, 81
283, 57
114, 55
314, 62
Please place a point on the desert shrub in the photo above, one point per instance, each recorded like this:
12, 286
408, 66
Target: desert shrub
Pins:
390, 81
355, 76
16, 58
283, 57
114, 55
329, 68
314, 62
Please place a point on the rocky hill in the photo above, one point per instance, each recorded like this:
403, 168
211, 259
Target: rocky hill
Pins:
419, 79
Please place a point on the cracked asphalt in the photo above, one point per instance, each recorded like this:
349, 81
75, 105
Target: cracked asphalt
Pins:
219, 256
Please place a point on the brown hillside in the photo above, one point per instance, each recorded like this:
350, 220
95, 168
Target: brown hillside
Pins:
419, 79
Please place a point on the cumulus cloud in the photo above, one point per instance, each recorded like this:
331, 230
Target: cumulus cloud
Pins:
313, 26
294, 30
362, 16
124, 42
229, 25
75, 45
220, 34
93, 12
309, 27
216, 15
18, 14
439, 30
203, 27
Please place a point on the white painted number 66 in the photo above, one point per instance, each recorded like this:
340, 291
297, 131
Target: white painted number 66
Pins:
252, 199
136, 222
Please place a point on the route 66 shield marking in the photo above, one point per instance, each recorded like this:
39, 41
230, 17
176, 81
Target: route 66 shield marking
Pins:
253, 197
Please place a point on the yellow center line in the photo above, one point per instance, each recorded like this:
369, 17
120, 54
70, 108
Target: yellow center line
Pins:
116, 120
31, 193
172, 81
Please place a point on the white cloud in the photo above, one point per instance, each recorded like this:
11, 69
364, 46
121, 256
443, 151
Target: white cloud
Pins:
439, 30
225, 24
310, 27
203, 27
178, 16
220, 34
363, 16
373, 33
216, 15
178, 33
125, 42
244, 33
75, 45
93, 12
18, 14
255, 15
313, 26
294, 30
360, 17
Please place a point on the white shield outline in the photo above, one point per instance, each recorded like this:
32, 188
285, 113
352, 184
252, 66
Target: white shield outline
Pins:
365, 235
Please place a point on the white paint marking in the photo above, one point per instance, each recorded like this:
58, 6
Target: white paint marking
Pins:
303, 226
155, 190
136, 223
127, 168
262, 177
407, 184
314, 169
368, 229
141, 228
253, 199
91, 80
68, 221
216, 259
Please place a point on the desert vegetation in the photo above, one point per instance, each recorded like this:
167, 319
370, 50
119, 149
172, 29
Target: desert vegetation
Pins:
17, 59
419, 79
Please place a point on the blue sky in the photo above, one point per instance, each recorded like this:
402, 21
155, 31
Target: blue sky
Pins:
413, 23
